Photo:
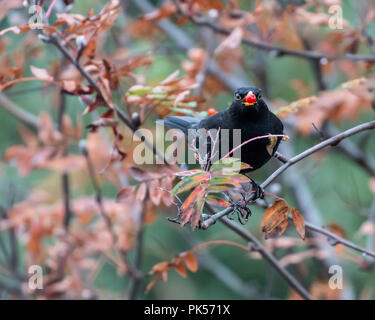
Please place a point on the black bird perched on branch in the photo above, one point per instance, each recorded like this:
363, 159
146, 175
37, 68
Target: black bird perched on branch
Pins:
249, 113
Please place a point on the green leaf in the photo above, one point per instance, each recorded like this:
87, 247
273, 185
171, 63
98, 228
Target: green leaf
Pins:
190, 182
219, 188
139, 92
220, 180
235, 178
228, 166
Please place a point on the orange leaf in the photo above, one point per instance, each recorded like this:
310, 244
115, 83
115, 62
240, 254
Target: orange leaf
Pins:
190, 261
151, 284
180, 267
340, 231
299, 222
160, 267
197, 193
275, 219
16, 30
126, 193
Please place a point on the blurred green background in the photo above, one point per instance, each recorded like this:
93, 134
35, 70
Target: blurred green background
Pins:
338, 185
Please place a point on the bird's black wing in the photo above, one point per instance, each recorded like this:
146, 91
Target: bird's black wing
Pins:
276, 127
181, 123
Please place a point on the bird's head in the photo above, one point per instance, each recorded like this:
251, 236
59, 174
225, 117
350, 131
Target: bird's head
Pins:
248, 99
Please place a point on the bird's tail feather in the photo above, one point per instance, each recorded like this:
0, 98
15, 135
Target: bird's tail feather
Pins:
182, 123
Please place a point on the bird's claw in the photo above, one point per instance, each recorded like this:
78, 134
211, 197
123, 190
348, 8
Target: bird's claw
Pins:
240, 207
258, 190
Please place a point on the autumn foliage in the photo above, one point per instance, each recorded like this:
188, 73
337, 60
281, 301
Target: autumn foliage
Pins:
77, 204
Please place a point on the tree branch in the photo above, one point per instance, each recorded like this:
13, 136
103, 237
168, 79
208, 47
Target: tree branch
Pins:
350, 150
183, 41
338, 239
331, 141
257, 246
276, 50
25, 117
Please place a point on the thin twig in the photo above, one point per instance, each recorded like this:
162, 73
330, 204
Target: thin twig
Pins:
65, 184
134, 290
133, 272
182, 40
54, 39
276, 50
98, 191
25, 117
338, 239
350, 150
258, 247
331, 141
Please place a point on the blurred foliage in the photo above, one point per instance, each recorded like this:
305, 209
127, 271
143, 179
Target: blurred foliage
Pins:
339, 186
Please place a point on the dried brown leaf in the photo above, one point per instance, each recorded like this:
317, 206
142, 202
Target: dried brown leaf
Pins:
180, 267
126, 193
299, 222
274, 219
190, 261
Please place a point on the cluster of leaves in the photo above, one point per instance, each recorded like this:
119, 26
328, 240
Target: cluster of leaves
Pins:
183, 260
47, 150
171, 94
222, 176
180, 262
37, 221
156, 185
343, 103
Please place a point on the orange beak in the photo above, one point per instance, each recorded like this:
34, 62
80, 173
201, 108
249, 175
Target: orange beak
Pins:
250, 99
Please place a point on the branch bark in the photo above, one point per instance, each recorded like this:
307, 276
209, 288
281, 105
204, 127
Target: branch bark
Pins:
329, 142
257, 246
276, 50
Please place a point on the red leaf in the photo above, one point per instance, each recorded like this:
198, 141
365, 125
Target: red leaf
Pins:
193, 198
126, 193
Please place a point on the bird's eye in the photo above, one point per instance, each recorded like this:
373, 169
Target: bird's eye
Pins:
238, 96
259, 96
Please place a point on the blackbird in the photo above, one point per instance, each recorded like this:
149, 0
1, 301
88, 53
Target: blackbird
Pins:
249, 113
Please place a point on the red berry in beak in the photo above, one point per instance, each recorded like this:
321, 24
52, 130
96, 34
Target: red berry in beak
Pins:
251, 98
211, 111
